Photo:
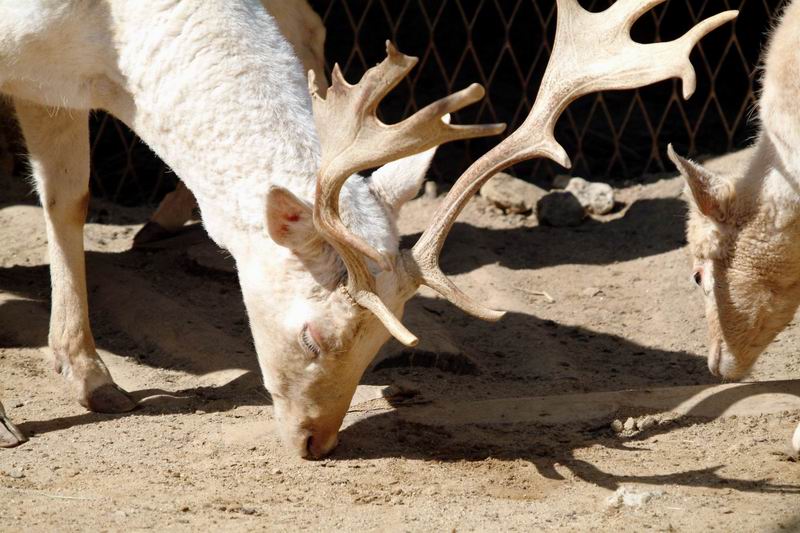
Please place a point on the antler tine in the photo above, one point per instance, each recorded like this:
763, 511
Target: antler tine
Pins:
592, 52
354, 139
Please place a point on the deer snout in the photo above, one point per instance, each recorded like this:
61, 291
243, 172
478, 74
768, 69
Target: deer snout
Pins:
321, 443
314, 444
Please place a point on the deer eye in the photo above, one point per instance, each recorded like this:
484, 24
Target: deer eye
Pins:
697, 277
308, 342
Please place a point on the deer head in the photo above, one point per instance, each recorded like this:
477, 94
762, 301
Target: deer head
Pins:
743, 231
358, 284
746, 259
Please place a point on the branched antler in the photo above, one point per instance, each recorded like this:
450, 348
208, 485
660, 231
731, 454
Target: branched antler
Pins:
354, 139
593, 52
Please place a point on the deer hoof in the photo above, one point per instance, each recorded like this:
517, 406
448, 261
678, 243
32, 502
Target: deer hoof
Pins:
10, 435
150, 233
109, 398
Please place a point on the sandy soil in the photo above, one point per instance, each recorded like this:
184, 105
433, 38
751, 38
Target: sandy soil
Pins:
200, 453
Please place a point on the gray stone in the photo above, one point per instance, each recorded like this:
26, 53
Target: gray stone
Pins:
561, 181
616, 426
511, 194
630, 424
560, 209
14, 473
646, 423
596, 198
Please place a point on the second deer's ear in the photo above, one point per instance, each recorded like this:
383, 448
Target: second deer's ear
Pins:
713, 195
290, 221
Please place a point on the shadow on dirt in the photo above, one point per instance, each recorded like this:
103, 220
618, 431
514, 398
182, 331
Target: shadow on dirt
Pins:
178, 316
549, 448
650, 227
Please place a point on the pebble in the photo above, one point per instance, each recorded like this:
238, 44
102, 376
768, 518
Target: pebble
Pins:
646, 423
627, 497
617, 426
560, 209
512, 195
561, 181
596, 198
630, 424
14, 473
277, 472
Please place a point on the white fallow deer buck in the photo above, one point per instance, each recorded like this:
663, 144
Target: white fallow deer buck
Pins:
215, 91
744, 230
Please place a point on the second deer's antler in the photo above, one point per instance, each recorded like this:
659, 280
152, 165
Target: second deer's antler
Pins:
592, 52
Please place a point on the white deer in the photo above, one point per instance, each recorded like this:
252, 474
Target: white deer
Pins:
214, 89
743, 230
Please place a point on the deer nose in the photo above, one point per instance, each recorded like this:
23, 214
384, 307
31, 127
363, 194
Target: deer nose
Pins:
321, 443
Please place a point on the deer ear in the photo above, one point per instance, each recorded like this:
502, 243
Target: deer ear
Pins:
290, 220
712, 194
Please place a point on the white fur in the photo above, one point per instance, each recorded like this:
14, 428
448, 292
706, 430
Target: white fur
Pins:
217, 92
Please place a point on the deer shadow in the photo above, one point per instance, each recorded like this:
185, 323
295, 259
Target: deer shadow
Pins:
649, 227
568, 359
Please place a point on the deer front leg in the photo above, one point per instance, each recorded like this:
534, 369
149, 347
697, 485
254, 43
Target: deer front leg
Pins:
10, 435
58, 142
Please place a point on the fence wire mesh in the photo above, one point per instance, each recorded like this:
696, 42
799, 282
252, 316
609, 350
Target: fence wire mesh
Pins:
505, 45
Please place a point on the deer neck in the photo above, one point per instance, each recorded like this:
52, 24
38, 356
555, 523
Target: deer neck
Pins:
224, 102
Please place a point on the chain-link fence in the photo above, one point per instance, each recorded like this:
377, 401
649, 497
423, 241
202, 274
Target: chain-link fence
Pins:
505, 45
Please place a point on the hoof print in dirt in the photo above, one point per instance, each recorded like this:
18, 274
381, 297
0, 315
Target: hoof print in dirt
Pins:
512, 195
453, 363
560, 209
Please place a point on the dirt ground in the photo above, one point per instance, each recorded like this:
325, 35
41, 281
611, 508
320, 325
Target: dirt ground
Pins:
503, 426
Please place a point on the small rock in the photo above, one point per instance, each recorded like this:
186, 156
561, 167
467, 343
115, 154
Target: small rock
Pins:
591, 292
561, 181
431, 190
14, 473
646, 423
616, 426
277, 472
511, 194
596, 198
560, 209
630, 424
631, 498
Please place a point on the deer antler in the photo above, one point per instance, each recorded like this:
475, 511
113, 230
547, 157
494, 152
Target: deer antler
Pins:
354, 139
592, 52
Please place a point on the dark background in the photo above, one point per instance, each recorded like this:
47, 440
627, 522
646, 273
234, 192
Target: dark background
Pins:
504, 45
